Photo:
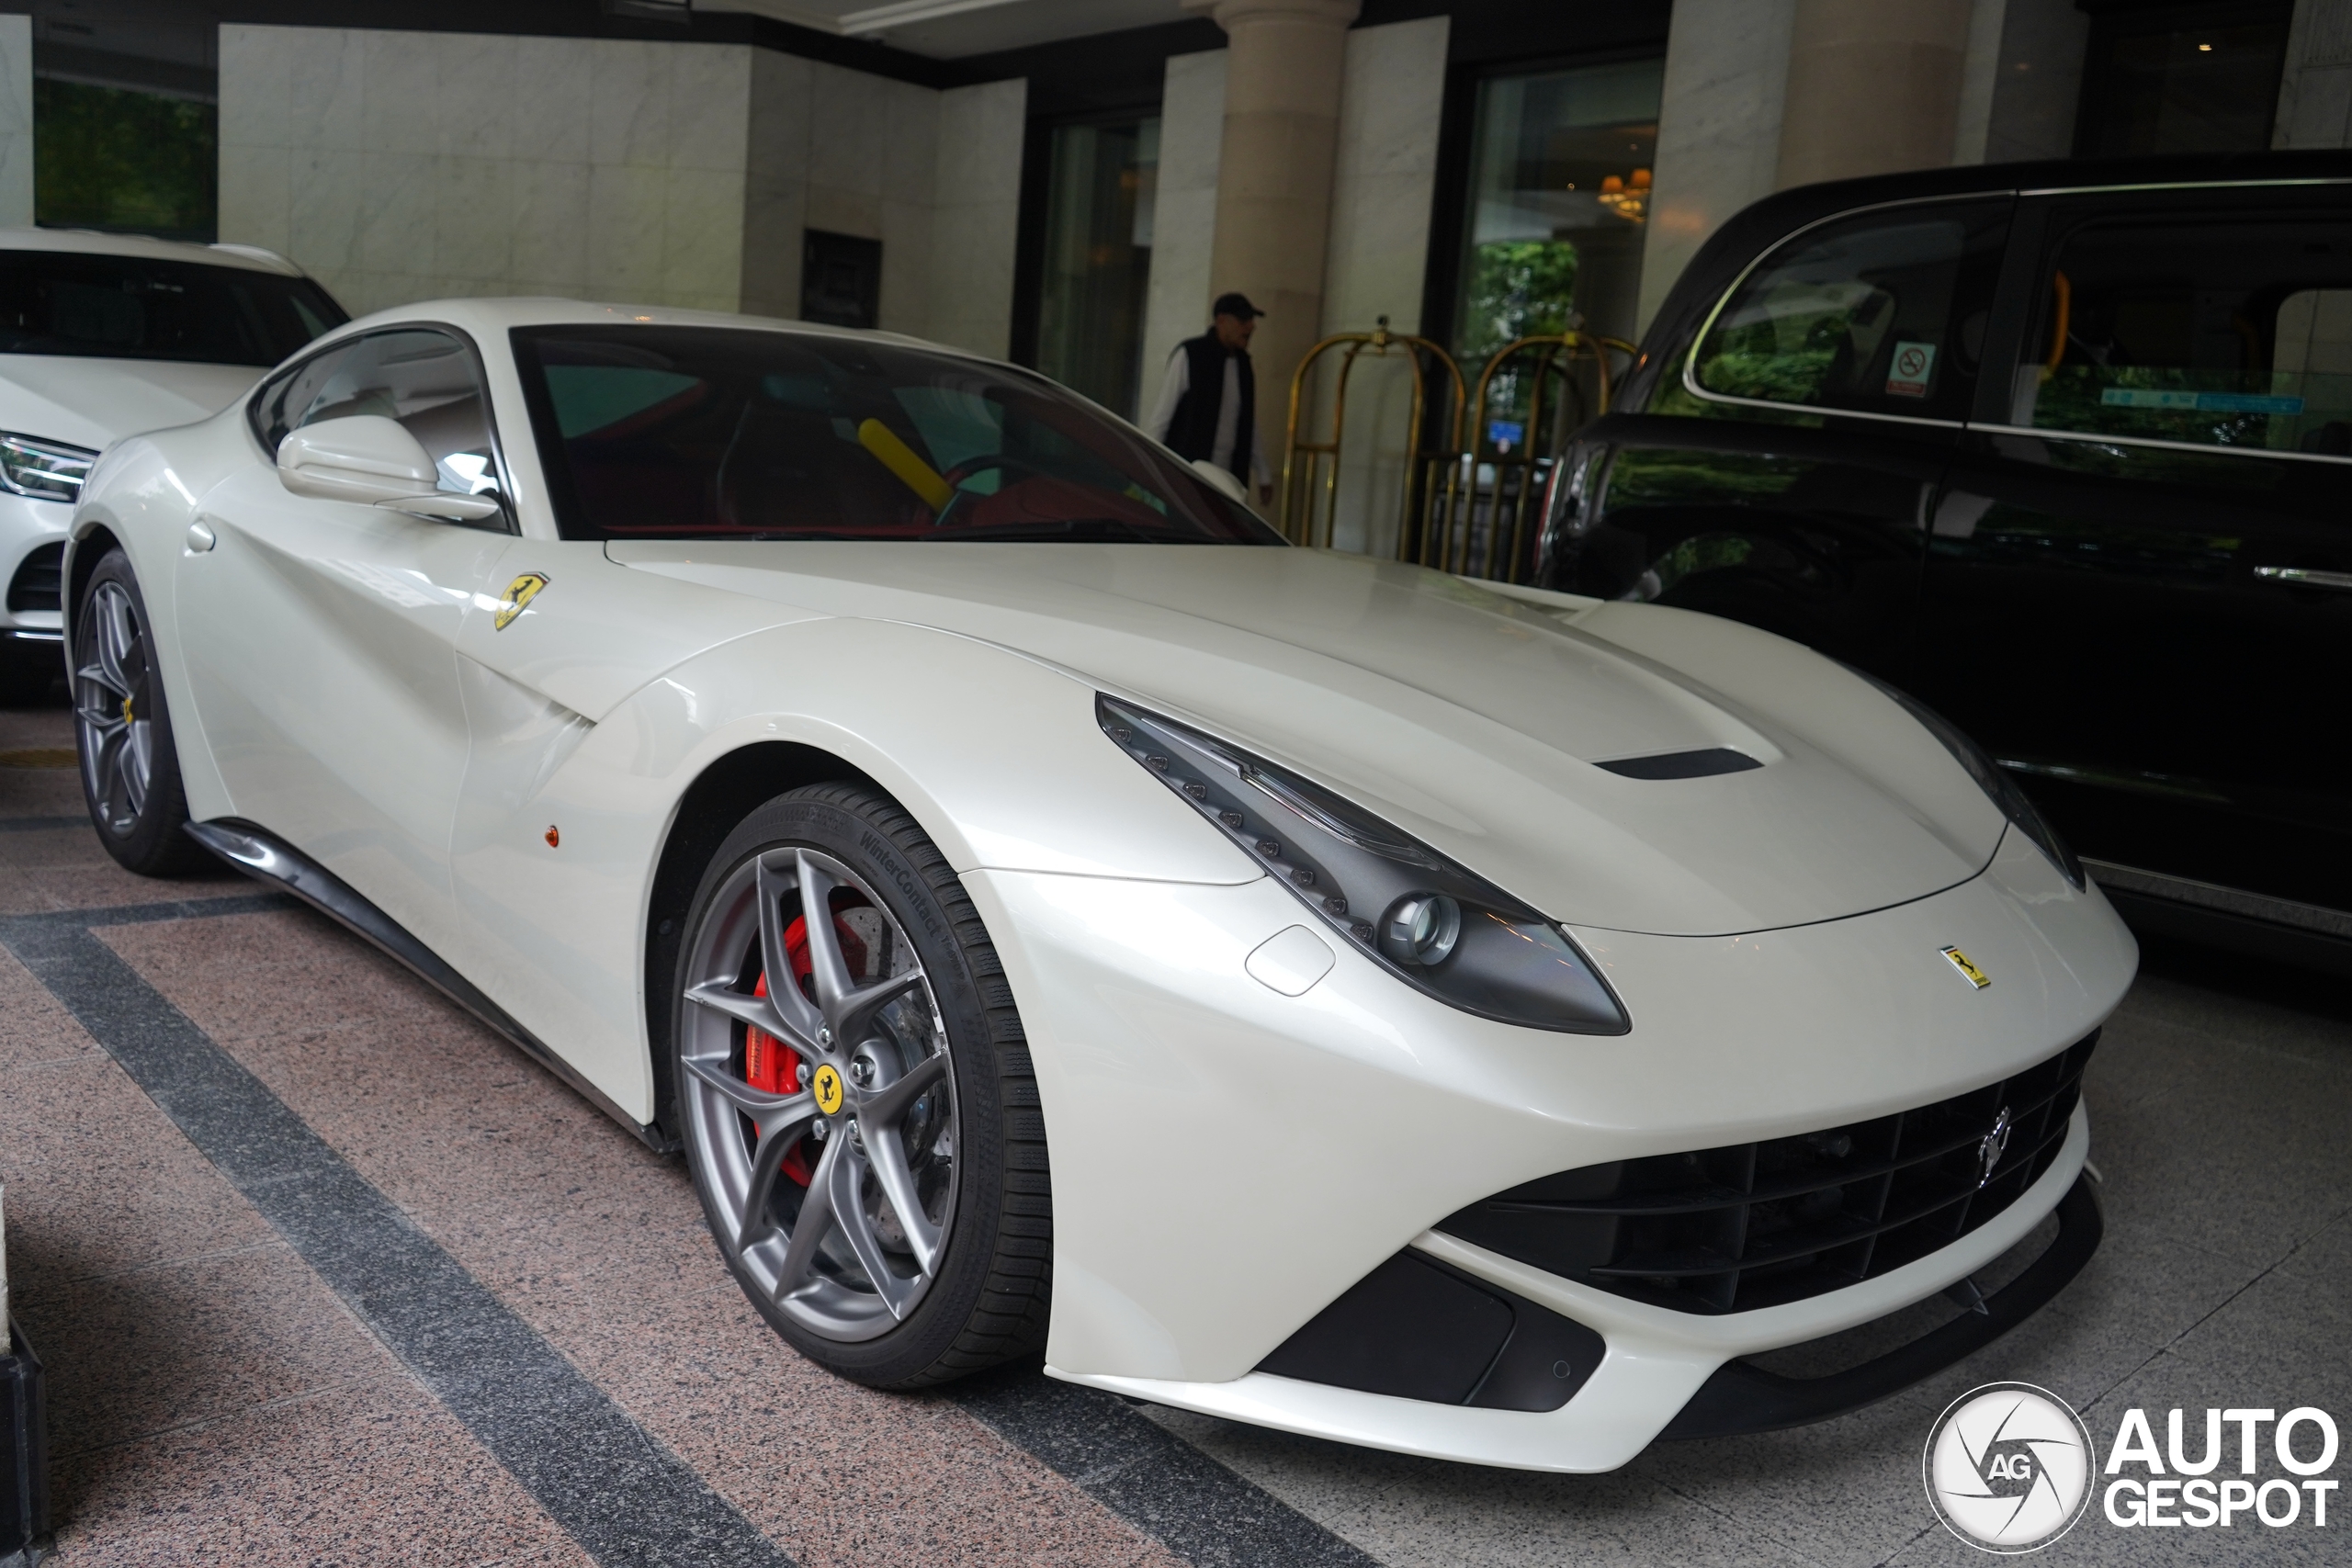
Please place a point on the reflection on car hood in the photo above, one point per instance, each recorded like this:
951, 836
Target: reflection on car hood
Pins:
92, 403
1471, 719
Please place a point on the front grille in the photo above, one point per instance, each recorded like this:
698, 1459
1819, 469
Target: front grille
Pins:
1757, 1224
35, 586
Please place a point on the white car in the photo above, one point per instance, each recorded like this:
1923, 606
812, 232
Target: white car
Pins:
1464, 1020
102, 335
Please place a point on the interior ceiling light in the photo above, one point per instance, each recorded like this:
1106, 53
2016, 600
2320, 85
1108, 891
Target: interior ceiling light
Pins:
1628, 197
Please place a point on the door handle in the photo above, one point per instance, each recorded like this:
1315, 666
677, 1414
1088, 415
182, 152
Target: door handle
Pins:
2304, 576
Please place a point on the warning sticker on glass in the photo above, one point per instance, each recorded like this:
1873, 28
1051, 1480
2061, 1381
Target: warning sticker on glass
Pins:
1906, 375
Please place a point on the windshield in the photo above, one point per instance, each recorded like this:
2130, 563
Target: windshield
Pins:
132, 308
715, 433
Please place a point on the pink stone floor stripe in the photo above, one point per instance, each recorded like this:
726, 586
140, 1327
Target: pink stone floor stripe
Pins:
599, 1246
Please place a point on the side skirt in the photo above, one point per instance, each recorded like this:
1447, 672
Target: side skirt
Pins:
266, 858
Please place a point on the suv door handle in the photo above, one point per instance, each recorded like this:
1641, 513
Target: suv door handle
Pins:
2304, 576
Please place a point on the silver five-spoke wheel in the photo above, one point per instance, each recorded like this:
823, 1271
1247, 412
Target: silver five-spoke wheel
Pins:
817, 1078
111, 707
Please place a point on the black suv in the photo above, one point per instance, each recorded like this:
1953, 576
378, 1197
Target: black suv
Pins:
2066, 450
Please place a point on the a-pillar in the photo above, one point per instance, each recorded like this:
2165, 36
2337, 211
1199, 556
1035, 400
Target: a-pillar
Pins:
1283, 67
1873, 87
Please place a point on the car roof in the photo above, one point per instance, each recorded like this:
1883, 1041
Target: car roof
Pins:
492, 315
1764, 224
91, 242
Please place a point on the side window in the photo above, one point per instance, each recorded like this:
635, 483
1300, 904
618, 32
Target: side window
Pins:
2216, 332
421, 379
1881, 313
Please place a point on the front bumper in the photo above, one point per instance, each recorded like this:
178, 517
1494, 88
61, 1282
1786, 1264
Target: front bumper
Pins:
1230, 1159
28, 525
1669, 1374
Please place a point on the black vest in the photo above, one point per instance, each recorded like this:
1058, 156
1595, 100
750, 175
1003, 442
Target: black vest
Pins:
1193, 432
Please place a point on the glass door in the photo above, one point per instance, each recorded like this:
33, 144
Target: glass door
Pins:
1098, 259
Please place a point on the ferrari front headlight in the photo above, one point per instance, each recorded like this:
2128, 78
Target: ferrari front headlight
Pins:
46, 470
1992, 778
1437, 926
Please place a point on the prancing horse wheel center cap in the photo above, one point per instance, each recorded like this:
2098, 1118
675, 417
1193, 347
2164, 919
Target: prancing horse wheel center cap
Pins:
827, 1087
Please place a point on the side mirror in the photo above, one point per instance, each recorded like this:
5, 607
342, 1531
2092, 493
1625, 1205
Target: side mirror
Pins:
373, 461
1226, 484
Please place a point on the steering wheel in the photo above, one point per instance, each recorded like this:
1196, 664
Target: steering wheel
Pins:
980, 464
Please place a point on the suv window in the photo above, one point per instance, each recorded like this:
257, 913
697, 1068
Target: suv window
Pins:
715, 433
2218, 332
133, 307
425, 379
1881, 313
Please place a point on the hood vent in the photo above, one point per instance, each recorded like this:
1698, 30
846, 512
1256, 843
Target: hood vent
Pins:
1683, 764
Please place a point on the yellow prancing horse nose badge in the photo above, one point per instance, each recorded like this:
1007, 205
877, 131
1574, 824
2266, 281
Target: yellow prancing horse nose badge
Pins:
519, 593
827, 1086
1967, 970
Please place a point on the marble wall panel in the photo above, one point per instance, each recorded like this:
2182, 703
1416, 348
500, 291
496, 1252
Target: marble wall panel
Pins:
552, 91
474, 98
628, 108
849, 142
1385, 176
15, 119
388, 161
906, 267
1719, 128
1384, 182
975, 219
473, 222
257, 188
1192, 139
775, 181
550, 252
480, 163
2315, 90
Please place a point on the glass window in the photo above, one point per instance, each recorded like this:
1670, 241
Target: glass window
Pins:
424, 379
1559, 193
1099, 210
1883, 313
2223, 332
118, 159
131, 308
705, 432
2182, 79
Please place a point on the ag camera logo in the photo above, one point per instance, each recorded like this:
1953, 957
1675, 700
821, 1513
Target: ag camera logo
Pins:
2008, 1467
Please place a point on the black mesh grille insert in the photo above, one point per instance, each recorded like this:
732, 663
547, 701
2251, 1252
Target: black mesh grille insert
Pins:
36, 583
1756, 1224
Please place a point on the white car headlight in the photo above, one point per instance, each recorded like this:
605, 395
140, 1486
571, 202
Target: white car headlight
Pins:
1437, 926
46, 470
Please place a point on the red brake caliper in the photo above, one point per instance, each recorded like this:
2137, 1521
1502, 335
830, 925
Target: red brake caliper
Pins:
768, 1063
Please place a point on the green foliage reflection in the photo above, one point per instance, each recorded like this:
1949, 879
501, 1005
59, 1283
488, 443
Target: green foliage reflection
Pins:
110, 158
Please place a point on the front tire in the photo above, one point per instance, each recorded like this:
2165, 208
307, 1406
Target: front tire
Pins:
130, 770
864, 1136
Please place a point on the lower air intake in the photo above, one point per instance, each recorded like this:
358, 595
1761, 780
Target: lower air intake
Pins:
1759, 1224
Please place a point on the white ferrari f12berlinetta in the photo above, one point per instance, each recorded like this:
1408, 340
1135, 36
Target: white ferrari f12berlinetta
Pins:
1052, 915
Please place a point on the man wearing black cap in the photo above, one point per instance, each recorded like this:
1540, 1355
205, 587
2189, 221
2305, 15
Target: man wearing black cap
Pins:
1208, 401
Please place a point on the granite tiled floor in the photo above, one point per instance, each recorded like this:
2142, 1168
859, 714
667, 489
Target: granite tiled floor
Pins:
214, 1400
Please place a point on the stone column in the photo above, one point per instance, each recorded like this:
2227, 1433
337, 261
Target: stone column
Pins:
1873, 87
1282, 72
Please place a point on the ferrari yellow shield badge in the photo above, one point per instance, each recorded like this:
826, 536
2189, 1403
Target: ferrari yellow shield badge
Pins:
519, 593
827, 1087
1967, 970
